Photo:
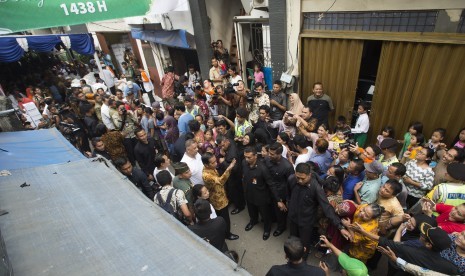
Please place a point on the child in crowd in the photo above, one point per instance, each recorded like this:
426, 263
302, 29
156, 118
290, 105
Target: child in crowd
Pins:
341, 123
414, 128
435, 143
416, 142
258, 74
223, 67
362, 125
338, 138
366, 216
387, 132
459, 140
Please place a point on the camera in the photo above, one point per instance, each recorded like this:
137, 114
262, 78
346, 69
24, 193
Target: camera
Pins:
230, 88
347, 144
214, 44
251, 95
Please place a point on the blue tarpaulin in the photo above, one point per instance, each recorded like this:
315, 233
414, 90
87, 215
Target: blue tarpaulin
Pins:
11, 51
268, 73
27, 149
175, 38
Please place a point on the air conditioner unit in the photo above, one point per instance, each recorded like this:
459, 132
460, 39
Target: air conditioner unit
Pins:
260, 4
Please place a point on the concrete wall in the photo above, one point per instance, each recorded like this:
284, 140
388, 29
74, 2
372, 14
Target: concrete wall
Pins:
375, 5
109, 26
221, 13
294, 21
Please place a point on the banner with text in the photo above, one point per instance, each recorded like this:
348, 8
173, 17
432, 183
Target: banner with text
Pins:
21, 15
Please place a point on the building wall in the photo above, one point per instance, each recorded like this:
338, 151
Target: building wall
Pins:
221, 13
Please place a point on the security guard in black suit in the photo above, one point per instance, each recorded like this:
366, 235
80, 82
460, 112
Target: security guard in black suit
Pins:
257, 180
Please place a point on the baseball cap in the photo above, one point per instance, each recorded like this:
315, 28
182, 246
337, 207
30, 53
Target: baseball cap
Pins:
352, 266
436, 236
456, 170
388, 143
374, 167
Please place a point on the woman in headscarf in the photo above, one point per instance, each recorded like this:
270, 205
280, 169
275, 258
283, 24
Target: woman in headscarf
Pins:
296, 104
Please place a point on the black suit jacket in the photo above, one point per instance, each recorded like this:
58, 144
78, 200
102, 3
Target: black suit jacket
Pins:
256, 181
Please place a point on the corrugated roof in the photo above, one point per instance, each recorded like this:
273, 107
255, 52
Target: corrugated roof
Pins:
83, 218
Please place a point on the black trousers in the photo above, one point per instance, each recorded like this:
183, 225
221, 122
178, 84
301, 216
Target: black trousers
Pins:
264, 211
129, 144
304, 233
224, 213
281, 217
235, 192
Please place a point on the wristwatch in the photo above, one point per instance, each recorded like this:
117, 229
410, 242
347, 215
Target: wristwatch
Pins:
341, 226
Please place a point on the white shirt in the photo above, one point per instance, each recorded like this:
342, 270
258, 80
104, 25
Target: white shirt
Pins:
105, 111
362, 125
234, 80
156, 171
196, 167
302, 158
213, 214
108, 77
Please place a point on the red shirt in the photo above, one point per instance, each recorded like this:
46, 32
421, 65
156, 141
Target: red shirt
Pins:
443, 219
23, 101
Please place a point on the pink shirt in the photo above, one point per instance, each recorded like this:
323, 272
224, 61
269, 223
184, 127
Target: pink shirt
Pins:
259, 77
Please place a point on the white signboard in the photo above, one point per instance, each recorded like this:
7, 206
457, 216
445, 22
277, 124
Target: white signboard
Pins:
34, 114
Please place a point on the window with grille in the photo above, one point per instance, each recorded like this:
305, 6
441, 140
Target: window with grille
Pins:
389, 21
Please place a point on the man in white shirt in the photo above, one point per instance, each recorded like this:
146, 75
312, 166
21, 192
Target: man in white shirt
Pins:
193, 159
109, 78
105, 111
363, 124
304, 150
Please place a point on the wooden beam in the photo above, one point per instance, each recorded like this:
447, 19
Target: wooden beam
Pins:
443, 38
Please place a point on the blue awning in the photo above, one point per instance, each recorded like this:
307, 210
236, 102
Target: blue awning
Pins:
33, 148
11, 51
174, 38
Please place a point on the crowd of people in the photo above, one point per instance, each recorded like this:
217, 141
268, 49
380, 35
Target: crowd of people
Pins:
204, 146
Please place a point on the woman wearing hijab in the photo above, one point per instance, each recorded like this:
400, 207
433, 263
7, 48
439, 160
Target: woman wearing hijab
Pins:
296, 104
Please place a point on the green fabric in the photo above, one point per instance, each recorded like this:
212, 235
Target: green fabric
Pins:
352, 266
23, 15
361, 139
407, 137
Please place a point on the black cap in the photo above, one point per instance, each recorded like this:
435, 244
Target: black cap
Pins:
456, 171
388, 143
436, 236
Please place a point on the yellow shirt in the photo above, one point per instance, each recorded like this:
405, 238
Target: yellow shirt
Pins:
362, 247
336, 141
